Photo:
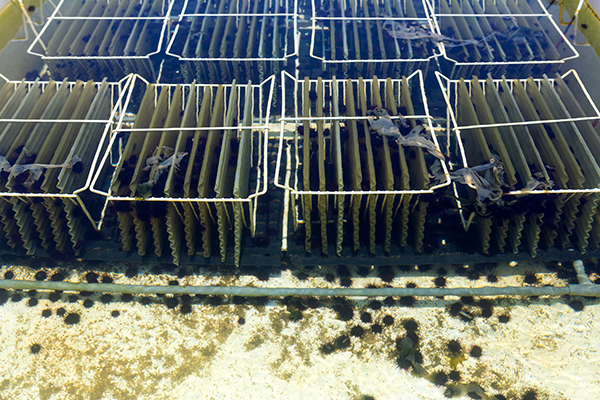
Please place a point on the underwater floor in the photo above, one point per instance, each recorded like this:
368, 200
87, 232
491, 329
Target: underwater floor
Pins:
68, 346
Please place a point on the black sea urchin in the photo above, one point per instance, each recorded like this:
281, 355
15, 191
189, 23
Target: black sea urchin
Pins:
410, 325
35, 348
440, 378
531, 278
476, 351
365, 317
72, 319
454, 347
440, 282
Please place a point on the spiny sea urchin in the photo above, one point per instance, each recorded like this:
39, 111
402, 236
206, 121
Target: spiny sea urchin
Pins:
473, 275
91, 277
185, 309
389, 301
440, 282
577, 305
440, 378
530, 394
365, 317
106, 298
72, 318
454, 375
386, 273
375, 305
78, 167
487, 312
408, 301
410, 325
531, 278
476, 352
388, 320
57, 277
504, 318
357, 331
454, 347
376, 328
41, 275
455, 309
126, 297
344, 310
346, 281
171, 302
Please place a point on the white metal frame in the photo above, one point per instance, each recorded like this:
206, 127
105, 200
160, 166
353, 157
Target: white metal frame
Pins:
260, 125
287, 15
297, 87
544, 14
57, 15
425, 19
449, 90
117, 111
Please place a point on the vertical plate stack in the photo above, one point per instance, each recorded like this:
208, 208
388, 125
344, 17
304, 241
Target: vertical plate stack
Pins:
541, 132
51, 135
512, 37
355, 38
352, 187
217, 41
91, 39
187, 171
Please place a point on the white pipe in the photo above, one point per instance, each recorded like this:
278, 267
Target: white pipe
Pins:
582, 277
579, 290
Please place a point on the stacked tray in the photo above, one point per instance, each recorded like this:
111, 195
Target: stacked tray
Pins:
96, 39
217, 41
512, 37
534, 144
51, 134
369, 37
352, 187
187, 172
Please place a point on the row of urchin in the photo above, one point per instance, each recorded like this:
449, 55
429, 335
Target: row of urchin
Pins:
385, 273
343, 274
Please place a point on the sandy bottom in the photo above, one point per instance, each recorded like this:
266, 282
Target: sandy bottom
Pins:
263, 351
